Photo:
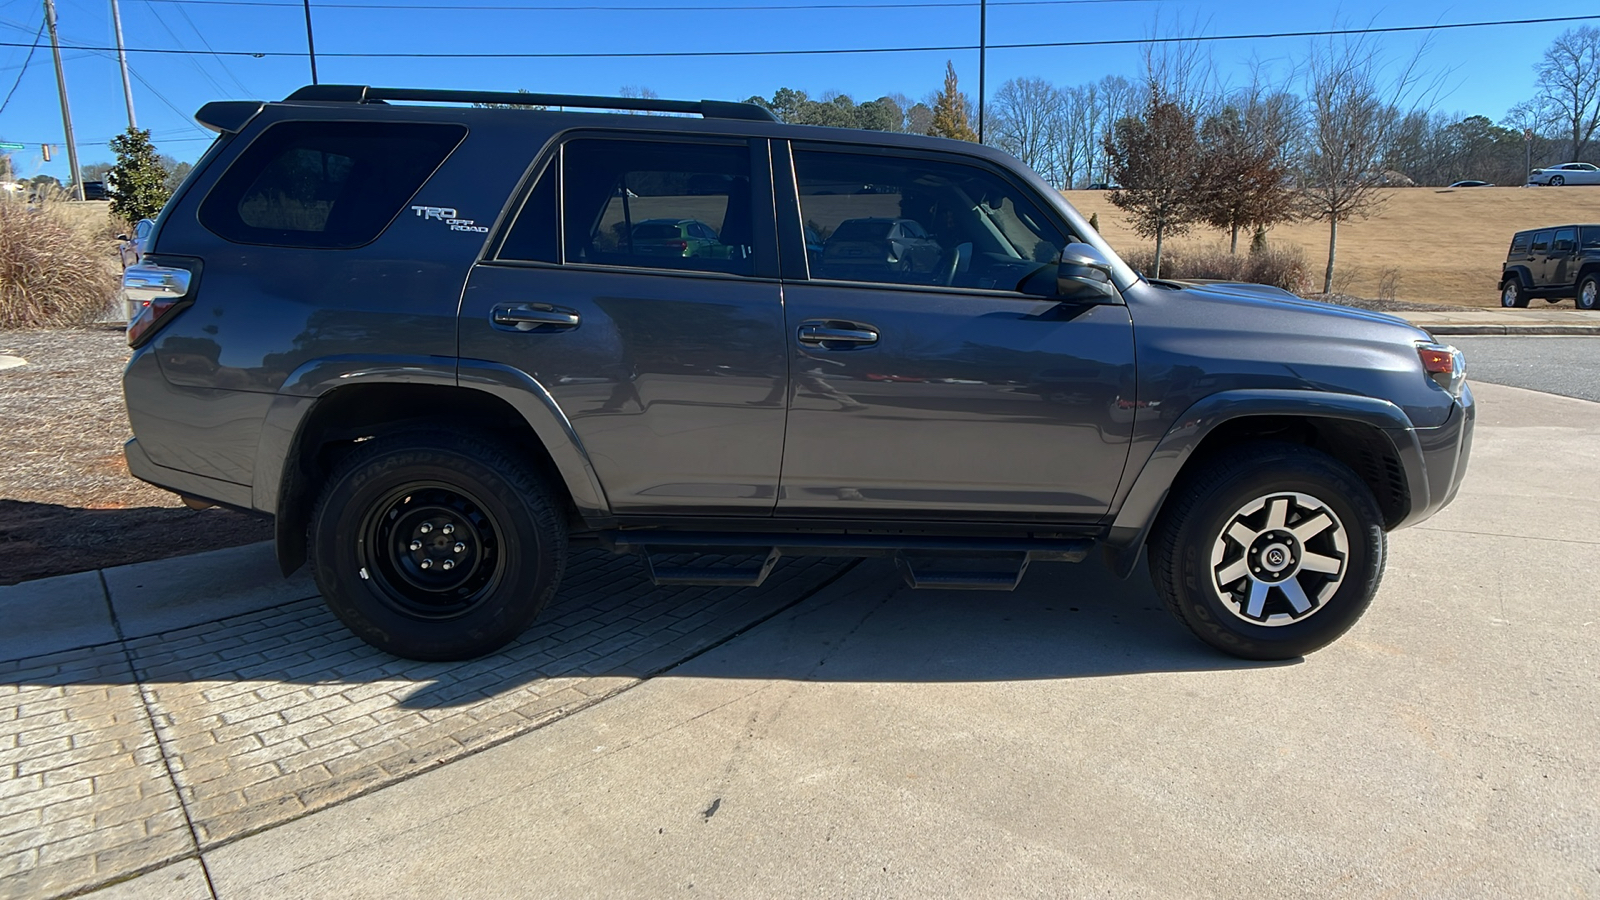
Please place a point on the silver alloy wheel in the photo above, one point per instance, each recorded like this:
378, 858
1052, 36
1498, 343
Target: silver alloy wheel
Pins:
1279, 559
1587, 296
1508, 294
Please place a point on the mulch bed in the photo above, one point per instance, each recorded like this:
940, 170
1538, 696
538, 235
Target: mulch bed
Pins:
67, 502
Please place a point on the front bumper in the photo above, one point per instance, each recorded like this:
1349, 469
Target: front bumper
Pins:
1439, 461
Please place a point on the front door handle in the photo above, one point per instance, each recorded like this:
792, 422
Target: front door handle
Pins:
825, 333
528, 316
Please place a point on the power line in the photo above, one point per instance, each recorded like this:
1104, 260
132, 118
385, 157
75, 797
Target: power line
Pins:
11, 93
919, 4
944, 48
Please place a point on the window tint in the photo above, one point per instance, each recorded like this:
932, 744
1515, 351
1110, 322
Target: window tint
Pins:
1519, 243
533, 237
325, 184
1541, 242
1589, 237
659, 204
1564, 239
923, 222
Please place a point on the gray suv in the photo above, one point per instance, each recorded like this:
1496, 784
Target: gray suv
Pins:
429, 342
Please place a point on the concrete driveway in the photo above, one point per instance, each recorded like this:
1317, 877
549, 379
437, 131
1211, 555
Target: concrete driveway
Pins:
1065, 740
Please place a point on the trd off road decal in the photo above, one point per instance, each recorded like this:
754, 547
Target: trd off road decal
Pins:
448, 216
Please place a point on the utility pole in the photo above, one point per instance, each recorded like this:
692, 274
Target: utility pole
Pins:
311, 45
66, 111
122, 59
983, 52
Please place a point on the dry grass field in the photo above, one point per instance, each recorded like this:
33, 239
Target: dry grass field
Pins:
1446, 245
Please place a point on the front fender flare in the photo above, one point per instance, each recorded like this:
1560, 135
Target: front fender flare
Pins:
1133, 522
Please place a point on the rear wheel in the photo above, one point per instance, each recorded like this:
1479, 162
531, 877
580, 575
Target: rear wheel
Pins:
436, 546
1270, 553
1512, 295
1589, 291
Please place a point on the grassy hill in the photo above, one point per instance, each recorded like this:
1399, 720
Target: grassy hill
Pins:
1448, 245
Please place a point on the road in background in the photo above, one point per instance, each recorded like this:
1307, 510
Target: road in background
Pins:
1569, 366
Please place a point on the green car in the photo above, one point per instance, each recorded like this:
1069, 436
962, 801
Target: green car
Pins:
687, 238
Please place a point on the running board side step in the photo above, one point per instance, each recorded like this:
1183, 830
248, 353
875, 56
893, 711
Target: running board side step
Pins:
948, 563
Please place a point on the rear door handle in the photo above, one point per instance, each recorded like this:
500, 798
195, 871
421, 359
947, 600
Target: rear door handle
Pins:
825, 333
528, 316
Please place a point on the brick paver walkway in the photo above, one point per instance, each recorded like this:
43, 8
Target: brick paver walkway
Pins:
267, 716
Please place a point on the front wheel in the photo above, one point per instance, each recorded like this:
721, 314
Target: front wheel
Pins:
1589, 292
1269, 553
1557, 181
1512, 295
436, 546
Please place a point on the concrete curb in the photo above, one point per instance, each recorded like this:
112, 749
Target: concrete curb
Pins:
1529, 330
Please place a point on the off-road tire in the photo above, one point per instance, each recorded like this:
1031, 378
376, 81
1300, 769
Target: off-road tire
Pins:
1588, 296
1202, 508
368, 517
1512, 295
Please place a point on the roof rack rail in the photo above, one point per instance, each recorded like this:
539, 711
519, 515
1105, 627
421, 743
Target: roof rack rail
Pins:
359, 93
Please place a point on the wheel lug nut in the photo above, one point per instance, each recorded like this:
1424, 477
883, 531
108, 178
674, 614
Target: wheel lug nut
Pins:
415, 545
426, 527
426, 564
449, 529
448, 564
460, 547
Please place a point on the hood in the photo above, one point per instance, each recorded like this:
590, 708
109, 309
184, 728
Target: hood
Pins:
1277, 298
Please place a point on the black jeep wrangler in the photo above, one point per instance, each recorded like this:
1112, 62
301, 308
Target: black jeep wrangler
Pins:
443, 344
1553, 263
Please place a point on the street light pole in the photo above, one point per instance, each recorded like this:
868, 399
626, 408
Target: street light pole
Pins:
311, 45
983, 52
122, 59
66, 111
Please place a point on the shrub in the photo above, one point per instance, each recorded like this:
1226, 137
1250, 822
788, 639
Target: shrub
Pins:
1280, 266
53, 270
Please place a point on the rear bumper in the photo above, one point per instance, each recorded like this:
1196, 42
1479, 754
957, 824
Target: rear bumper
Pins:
188, 484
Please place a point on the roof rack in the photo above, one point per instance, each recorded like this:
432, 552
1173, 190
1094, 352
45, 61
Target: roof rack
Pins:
359, 93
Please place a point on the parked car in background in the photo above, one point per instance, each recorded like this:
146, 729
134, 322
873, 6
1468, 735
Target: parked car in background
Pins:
1467, 184
130, 248
1102, 186
416, 336
896, 248
1553, 263
1566, 173
94, 190
677, 237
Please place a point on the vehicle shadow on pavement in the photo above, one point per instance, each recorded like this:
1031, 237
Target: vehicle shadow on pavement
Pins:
44, 539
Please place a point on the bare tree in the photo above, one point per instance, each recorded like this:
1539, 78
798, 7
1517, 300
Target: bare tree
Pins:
1569, 85
1028, 124
1156, 158
1350, 124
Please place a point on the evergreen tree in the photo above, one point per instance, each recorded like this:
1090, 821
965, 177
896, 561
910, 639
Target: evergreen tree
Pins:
138, 187
950, 116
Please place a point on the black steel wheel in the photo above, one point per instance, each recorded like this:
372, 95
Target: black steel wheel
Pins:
436, 546
1269, 552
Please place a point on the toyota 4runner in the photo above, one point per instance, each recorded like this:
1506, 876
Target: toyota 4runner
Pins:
443, 345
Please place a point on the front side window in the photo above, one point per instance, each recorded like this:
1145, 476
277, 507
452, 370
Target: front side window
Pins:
658, 205
919, 221
327, 185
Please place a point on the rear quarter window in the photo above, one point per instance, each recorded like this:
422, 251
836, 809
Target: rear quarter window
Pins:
1519, 243
325, 185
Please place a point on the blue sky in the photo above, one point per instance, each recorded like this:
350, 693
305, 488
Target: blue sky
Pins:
1483, 70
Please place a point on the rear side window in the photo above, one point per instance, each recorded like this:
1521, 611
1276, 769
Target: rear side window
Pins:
659, 205
1589, 237
1565, 238
326, 185
1519, 243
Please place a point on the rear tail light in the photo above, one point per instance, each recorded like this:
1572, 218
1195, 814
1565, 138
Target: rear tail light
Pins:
1444, 364
157, 292
681, 245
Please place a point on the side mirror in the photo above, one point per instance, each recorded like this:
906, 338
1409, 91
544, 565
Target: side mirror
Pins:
1084, 274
